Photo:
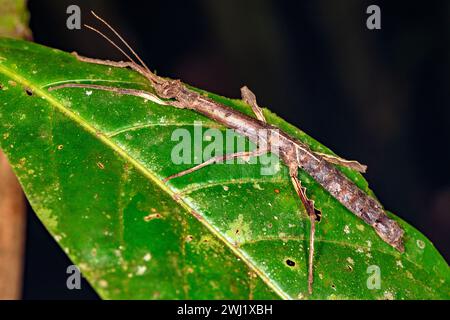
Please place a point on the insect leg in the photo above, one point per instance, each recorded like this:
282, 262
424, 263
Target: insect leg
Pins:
313, 215
121, 64
244, 154
352, 164
132, 92
249, 97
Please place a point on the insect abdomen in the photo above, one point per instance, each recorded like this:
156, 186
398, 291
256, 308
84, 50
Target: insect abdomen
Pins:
354, 199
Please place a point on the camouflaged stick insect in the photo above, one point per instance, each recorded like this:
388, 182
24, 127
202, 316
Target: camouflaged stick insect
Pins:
294, 153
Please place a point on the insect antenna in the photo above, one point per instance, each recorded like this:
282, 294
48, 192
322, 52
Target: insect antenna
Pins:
121, 39
112, 42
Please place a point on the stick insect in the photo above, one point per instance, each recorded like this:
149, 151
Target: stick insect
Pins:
293, 153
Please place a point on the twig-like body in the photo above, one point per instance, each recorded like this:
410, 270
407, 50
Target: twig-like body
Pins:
294, 153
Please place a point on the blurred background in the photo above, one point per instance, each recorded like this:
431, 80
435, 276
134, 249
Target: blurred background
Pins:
379, 96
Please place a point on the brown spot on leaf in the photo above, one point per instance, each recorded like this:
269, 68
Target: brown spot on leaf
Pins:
100, 165
152, 216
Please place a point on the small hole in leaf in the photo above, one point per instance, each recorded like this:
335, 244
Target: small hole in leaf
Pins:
290, 262
28, 91
350, 268
333, 286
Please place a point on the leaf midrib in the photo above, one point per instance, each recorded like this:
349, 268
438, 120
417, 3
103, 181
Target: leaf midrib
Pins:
145, 171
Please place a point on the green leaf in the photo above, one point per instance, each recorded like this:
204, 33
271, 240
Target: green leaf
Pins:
92, 162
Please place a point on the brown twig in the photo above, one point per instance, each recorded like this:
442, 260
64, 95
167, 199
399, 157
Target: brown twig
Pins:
14, 24
12, 230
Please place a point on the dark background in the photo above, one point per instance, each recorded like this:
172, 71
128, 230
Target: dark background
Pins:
379, 96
